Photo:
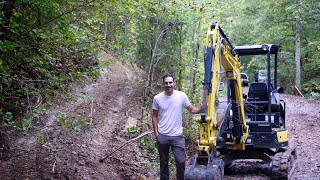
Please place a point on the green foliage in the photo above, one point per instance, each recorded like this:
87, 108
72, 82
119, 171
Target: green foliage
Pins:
133, 131
44, 46
40, 140
222, 90
257, 22
8, 116
192, 131
36, 113
76, 123
148, 144
27, 123
312, 87
24, 124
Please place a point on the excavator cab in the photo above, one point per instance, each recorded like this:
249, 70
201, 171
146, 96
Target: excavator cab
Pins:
264, 111
263, 101
249, 126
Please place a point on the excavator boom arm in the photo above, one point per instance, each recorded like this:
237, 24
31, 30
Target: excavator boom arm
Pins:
219, 54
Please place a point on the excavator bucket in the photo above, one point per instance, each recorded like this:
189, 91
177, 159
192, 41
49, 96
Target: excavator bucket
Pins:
204, 169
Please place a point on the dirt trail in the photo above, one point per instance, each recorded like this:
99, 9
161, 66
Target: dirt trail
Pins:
57, 152
114, 101
303, 122
303, 117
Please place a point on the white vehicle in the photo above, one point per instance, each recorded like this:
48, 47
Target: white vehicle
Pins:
244, 79
262, 76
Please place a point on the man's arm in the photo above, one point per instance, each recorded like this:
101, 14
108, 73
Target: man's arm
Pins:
155, 119
194, 110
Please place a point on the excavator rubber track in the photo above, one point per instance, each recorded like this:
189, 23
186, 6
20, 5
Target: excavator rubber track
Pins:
283, 164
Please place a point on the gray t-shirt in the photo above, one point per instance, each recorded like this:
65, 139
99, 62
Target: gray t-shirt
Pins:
170, 112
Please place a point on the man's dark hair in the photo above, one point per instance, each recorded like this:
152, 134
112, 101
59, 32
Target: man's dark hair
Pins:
168, 75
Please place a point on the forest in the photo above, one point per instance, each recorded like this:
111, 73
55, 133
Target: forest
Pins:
47, 46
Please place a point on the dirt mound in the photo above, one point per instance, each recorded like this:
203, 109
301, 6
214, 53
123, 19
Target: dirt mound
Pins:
79, 132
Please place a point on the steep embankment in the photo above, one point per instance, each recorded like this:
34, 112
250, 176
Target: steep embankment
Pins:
56, 152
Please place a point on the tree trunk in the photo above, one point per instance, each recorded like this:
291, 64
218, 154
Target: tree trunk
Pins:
297, 52
151, 70
195, 63
192, 64
105, 30
180, 59
7, 8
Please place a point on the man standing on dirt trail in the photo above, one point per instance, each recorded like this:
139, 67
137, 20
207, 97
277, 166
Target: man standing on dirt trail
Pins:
167, 125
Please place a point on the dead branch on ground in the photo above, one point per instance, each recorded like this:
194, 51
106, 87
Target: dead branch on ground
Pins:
128, 142
298, 91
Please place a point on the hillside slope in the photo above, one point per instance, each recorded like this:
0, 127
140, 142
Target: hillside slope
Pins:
58, 152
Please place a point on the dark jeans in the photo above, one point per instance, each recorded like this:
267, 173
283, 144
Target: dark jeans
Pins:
177, 145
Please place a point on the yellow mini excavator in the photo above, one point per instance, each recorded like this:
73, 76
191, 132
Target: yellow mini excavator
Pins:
242, 126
